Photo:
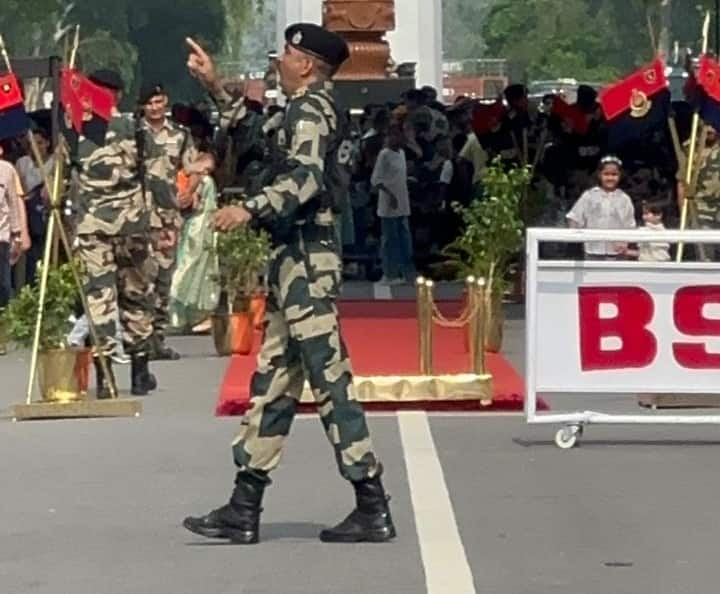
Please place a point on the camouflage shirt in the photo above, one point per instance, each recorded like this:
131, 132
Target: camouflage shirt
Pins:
178, 151
315, 150
106, 182
707, 193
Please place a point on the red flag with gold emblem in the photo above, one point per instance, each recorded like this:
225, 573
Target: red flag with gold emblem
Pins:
82, 99
634, 93
708, 77
13, 118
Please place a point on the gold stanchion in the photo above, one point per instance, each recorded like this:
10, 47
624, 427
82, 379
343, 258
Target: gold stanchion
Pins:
478, 323
424, 304
471, 305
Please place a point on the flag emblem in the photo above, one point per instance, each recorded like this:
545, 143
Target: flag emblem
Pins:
640, 105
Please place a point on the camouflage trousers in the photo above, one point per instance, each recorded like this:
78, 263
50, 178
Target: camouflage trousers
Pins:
165, 259
118, 274
705, 215
302, 342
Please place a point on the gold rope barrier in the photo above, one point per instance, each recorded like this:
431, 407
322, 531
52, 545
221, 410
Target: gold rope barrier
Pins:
472, 318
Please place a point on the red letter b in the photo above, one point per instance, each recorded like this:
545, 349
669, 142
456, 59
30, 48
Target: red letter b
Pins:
635, 309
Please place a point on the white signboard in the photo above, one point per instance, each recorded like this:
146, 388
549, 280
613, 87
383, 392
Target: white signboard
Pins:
625, 327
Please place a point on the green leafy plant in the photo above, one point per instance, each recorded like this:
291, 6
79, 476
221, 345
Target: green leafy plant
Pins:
492, 228
19, 318
242, 254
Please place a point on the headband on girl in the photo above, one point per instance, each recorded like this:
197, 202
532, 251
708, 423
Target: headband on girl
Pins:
611, 160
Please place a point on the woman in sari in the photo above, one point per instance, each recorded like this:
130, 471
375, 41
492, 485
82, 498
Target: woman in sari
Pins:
194, 292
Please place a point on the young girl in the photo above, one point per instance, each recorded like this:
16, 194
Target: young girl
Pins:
657, 251
604, 207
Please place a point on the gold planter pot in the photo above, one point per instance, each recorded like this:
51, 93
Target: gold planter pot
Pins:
222, 334
494, 322
63, 374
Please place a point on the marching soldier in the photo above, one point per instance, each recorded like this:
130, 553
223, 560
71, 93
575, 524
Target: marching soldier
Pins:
112, 240
302, 338
178, 152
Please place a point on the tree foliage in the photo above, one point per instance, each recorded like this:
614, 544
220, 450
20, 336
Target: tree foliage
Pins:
592, 40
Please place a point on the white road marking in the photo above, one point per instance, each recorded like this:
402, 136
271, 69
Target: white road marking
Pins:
443, 555
381, 292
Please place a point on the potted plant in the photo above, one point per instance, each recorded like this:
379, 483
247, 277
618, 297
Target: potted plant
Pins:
242, 255
63, 371
490, 240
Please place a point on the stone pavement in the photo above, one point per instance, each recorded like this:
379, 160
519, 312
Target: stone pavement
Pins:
94, 506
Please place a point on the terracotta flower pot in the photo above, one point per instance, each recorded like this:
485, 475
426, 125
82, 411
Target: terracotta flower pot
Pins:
243, 333
258, 304
63, 374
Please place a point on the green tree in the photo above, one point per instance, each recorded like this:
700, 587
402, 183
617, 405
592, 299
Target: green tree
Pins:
461, 23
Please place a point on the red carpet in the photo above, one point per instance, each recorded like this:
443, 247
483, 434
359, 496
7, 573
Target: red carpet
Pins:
382, 339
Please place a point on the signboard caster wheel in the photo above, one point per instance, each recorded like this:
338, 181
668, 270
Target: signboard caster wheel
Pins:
567, 436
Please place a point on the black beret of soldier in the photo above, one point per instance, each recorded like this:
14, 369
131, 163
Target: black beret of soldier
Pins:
515, 92
150, 90
586, 96
318, 42
108, 79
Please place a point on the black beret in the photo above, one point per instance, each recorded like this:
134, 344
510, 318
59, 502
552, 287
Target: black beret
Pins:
318, 42
515, 92
109, 79
586, 95
150, 90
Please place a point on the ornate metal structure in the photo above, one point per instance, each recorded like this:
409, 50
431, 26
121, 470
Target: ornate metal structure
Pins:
363, 24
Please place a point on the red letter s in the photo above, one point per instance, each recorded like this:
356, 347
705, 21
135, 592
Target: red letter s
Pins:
688, 312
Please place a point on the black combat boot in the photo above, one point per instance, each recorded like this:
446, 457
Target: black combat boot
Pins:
103, 383
370, 521
142, 381
159, 351
239, 520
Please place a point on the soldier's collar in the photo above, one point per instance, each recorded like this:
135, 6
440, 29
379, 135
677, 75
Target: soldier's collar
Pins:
167, 125
316, 86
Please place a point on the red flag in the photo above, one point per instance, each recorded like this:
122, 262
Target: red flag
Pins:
82, 99
709, 77
13, 118
572, 114
487, 117
634, 92
10, 93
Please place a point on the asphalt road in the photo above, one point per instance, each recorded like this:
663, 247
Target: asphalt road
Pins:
482, 504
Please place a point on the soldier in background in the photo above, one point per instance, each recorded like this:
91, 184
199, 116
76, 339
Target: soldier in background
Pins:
302, 334
705, 205
112, 236
178, 152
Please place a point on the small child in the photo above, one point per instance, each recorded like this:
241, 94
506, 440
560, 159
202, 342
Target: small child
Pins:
604, 207
654, 251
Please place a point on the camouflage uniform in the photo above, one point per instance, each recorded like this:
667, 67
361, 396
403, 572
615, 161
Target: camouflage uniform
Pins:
302, 334
112, 235
705, 207
178, 151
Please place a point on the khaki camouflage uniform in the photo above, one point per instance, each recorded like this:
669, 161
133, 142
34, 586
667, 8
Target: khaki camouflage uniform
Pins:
113, 220
178, 151
705, 207
302, 334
